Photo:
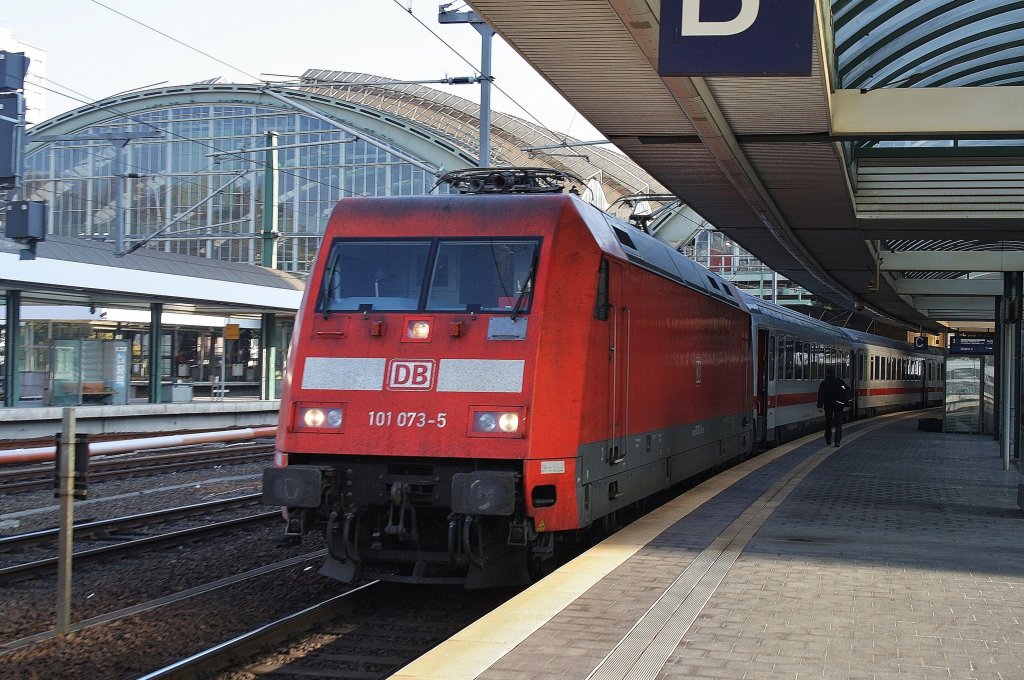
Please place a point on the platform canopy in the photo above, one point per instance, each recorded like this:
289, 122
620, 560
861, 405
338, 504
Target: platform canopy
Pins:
78, 272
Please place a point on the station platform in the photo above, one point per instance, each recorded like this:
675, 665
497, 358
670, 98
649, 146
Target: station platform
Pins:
28, 424
899, 554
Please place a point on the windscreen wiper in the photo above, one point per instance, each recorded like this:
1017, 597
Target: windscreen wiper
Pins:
527, 285
325, 284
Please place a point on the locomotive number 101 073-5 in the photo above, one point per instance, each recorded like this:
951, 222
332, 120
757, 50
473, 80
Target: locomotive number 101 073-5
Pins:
407, 419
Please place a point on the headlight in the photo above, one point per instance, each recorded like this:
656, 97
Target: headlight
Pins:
417, 329
485, 422
497, 423
508, 422
319, 418
313, 417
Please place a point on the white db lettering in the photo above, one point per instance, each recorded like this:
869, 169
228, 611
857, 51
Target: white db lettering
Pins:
693, 26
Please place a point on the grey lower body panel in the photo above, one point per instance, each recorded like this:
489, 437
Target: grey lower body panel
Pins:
654, 461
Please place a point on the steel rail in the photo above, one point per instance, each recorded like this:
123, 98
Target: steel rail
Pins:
255, 641
151, 605
32, 569
101, 526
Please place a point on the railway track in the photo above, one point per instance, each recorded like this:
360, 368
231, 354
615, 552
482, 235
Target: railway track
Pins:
167, 601
368, 632
104, 528
47, 565
39, 477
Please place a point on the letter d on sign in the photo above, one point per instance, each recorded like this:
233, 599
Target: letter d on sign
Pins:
693, 26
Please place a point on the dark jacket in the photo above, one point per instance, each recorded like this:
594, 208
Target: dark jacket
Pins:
833, 393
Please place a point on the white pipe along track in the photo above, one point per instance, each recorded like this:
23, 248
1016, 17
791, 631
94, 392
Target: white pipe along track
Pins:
45, 453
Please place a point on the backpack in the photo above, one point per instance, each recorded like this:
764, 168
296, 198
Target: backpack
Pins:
842, 394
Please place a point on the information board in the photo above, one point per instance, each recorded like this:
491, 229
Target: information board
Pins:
972, 343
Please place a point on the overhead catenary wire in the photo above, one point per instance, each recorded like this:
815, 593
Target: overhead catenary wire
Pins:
171, 37
473, 66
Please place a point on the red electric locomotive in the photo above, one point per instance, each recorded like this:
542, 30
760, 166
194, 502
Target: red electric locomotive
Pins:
476, 376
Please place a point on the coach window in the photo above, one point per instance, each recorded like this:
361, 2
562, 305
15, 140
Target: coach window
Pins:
798, 355
771, 357
782, 358
780, 354
814, 360
791, 358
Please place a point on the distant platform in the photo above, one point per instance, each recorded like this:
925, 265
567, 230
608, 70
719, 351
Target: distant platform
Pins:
28, 424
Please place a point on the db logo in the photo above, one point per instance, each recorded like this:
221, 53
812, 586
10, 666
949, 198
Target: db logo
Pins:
410, 375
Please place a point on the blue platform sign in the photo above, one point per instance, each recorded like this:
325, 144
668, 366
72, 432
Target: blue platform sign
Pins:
736, 37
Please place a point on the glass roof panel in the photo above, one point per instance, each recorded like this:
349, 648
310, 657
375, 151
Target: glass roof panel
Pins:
895, 43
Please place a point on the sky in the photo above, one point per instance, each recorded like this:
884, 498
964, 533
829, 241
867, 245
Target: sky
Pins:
95, 52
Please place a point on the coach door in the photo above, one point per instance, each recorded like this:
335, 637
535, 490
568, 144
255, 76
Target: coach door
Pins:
768, 400
761, 384
619, 354
856, 377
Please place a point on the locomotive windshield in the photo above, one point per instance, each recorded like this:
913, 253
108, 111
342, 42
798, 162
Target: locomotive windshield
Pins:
439, 275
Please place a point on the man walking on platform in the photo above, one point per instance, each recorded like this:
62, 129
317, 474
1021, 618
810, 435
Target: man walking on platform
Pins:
833, 395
